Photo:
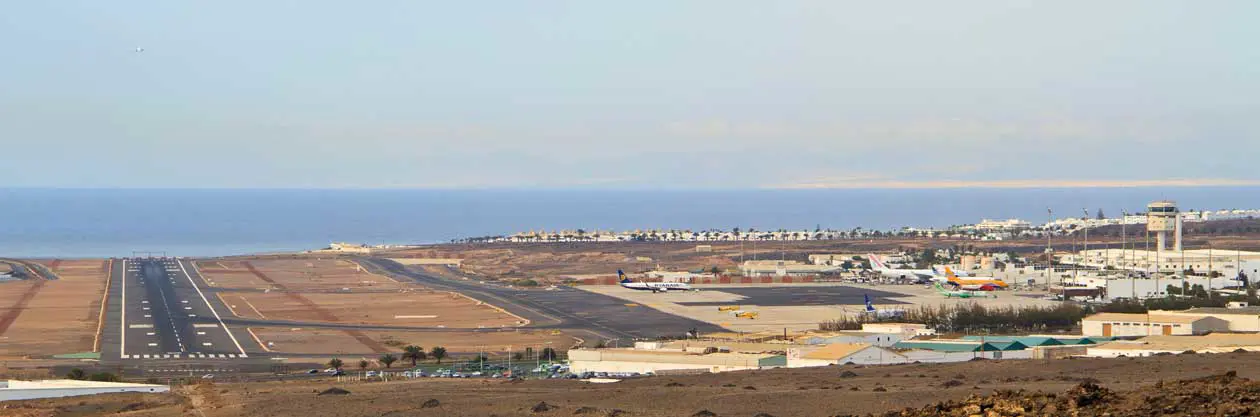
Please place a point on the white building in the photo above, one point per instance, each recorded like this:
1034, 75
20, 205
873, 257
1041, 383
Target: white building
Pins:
1152, 324
1008, 225
657, 361
906, 329
1226, 263
349, 247
56, 388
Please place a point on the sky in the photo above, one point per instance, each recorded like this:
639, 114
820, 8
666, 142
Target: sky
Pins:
644, 94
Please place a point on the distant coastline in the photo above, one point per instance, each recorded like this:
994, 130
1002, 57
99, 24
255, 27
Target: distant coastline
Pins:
80, 223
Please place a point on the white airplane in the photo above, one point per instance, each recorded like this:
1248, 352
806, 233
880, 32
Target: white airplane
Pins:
881, 313
651, 286
919, 274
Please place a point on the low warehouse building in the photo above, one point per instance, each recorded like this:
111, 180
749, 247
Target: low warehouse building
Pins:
953, 350
1153, 345
658, 361
842, 353
1151, 324
908, 329
1239, 318
56, 388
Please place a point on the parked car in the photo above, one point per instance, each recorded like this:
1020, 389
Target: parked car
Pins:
373, 373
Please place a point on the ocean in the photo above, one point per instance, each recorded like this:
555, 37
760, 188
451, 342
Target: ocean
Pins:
74, 223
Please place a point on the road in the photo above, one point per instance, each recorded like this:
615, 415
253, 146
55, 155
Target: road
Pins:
579, 312
159, 312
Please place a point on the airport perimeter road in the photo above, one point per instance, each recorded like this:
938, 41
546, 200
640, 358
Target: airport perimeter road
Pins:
158, 312
563, 308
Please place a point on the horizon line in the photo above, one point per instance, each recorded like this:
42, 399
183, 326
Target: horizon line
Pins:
1020, 184
821, 185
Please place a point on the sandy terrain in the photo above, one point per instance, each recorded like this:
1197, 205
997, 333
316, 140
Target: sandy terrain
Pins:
415, 308
299, 340
61, 315
814, 392
295, 275
789, 317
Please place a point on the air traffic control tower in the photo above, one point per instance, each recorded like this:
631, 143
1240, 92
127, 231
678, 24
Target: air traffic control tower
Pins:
1163, 217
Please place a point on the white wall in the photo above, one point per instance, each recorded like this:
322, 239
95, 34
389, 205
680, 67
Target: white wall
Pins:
10, 394
644, 367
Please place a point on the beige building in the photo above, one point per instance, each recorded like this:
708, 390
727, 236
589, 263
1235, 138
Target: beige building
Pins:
840, 354
1147, 346
784, 268
1239, 318
1152, 324
835, 259
658, 361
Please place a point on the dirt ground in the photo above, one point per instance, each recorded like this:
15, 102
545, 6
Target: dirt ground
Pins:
418, 308
312, 274
60, 316
1132, 388
306, 340
337, 291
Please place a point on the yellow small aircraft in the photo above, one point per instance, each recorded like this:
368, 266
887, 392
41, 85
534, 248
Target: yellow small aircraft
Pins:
728, 308
746, 314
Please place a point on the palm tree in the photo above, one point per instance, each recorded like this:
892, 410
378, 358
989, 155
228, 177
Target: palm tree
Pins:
414, 353
363, 364
388, 359
438, 353
335, 363
547, 354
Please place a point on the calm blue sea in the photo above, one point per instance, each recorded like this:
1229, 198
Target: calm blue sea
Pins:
97, 223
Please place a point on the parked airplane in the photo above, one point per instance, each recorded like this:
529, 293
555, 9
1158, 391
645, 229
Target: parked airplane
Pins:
882, 313
974, 283
741, 314
879, 267
941, 272
651, 286
960, 293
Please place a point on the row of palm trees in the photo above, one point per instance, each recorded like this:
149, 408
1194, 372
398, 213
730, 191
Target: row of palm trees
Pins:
410, 352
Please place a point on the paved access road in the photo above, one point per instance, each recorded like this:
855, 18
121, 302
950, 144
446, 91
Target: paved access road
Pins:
581, 312
159, 312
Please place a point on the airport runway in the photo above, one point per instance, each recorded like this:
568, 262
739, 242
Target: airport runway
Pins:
563, 308
802, 296
159, 312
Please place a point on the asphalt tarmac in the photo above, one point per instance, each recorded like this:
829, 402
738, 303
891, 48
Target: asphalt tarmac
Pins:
802, 296
576, 311
158, 312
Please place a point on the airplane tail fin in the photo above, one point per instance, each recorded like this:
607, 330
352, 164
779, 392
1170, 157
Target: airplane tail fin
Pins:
621, 276
875, 262
950, 273
869, 307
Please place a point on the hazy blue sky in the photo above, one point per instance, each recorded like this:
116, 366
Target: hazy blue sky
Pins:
719, 93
